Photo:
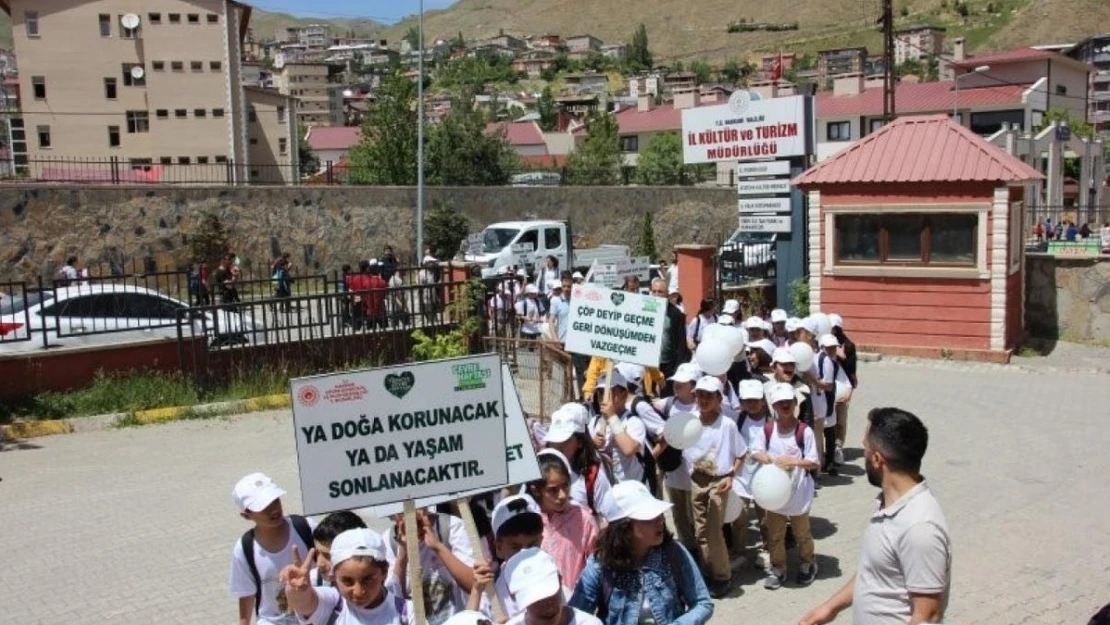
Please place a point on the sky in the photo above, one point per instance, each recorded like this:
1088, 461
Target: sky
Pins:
387, 11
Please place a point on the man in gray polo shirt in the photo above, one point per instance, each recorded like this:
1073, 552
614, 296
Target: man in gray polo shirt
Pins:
905, 565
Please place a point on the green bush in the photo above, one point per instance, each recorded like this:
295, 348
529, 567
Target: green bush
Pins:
799, 297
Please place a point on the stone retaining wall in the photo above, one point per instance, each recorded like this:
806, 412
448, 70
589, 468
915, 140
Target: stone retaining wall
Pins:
1067, 298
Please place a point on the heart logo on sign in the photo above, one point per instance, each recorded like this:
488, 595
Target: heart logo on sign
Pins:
616, 298
399, 384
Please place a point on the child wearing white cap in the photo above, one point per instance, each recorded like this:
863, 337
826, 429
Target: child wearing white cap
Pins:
517, 525
778, 327
754, 326
537, 587
676, 481
829, 372
569, 530
361, 595
568, 434
446, 562
530, 313
791, 446
625, 439
752, 419
263, 551
639, 573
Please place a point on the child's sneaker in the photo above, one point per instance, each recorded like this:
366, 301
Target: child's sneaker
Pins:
773, 581
838, 456
763, 559
806, 574
738, 562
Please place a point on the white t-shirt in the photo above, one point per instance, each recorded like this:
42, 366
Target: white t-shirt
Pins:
653, 421
530, 315
549, 276
330, 601
826, 370
624, 467
717, 450
578, 492
750, 429
441, 591
697, 327
577, 618
785, 444
241, 583
679, 479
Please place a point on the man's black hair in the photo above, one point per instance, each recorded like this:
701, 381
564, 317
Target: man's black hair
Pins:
900, 437
335, 524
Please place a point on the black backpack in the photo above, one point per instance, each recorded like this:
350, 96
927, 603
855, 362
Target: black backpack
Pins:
303, 530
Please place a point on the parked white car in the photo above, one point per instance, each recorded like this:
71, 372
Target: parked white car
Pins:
106, 314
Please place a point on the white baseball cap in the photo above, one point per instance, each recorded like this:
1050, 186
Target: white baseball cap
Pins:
557, 454
533, 576
778, 315
809, 324
726, 320
686, 372
836, 320
428, 258
565, 422
633, 373
616, 379
357, 542
828, 340
468, 617
254, 492
632, 500
783, 356
792, 324
553, 285
532, 289
782, 392
768, 326
750, 389
765, 345
577, 275
710, 383
754, 323
511, 507
731, 307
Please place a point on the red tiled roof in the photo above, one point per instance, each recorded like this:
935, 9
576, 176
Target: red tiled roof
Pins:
333, 137
518, 133
926, 97
661, 118
923, 148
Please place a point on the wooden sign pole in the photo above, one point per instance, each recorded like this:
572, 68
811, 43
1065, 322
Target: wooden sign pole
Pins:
412, 547
608, 396
463, 507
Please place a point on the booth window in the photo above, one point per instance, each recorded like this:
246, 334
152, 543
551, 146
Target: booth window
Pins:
948, 239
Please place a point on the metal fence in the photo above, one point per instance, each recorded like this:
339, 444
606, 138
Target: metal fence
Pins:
1071, 226
544, 374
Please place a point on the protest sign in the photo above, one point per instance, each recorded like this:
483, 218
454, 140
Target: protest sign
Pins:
612, 275
378, 436
474, 244
624, 327
519, 452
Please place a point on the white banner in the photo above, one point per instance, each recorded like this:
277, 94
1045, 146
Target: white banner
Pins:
379, 436
612, 275
765, 223
745, 129
771, 186
626, 327
765, 205
474, 244
519, 453
764, 168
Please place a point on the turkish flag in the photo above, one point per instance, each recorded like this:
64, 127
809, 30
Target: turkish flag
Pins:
776, 68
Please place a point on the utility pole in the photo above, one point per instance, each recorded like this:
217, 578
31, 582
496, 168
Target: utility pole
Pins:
420, 143
888, 61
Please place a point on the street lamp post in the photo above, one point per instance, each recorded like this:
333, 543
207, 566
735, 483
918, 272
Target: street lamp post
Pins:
956, 80
420, 141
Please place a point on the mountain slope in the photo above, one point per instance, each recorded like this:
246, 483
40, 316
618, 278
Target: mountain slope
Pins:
698, 28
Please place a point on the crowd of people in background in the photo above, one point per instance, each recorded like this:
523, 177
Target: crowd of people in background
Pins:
1067, 230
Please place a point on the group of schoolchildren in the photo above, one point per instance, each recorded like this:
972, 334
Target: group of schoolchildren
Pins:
587, 542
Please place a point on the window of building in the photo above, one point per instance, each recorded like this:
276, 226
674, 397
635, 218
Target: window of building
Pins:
175, 18
180, 113
184, 160
31, 23
281, 114
177, 66
215, 66
200, 112
127, 33
283, 145
202, 160
874, 125
162, 113
44, 136
138, 122
217, 112
254, 173
154, 18
105, 24
1061, 90
113, 136
166, 160
990, 122
252, 115
839, 131
221, 159
38, 87
193, 18
158, 66
630, 144
133, 77
907, 239
254, 141
110, 88
196, 66
213, 18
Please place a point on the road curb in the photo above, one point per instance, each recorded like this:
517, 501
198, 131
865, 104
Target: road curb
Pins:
100, 423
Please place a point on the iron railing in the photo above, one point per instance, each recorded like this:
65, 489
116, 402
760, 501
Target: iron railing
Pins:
1067, 229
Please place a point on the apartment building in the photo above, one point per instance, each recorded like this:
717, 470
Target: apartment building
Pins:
102, 82
314, 85
311, 36
918, 43
832, 63
1095, 51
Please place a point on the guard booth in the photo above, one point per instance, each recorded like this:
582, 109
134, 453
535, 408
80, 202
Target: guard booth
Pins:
916, 241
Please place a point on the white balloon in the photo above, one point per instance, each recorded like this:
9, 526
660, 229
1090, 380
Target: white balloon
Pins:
734, 505
736, 337
843, 391
714, 333
803, 353
682, 430
824, 325
713, 357
772, 487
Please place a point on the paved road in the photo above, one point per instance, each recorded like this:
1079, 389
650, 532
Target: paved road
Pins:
135, 526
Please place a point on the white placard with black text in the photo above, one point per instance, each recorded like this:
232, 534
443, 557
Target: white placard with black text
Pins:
763, 168
765, 223
769, 186
745, 129
625, 327
765, 205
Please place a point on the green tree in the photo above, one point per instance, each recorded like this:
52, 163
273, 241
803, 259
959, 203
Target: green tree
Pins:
210, 242
646, 245
545, 106
461, 152
597, 161
661, 161
444, 230
731, 72
701, 71
412, 36
638, 55
387, 153
307, 161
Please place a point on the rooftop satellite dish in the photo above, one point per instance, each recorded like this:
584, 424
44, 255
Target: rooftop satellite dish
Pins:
130, 21
137, 72
347, 93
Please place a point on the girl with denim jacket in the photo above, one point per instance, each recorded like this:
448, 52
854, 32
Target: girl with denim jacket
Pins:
639, 574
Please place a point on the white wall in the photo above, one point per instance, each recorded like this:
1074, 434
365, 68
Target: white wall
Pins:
826, 148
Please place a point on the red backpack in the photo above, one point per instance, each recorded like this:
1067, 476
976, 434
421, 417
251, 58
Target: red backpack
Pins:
799, 435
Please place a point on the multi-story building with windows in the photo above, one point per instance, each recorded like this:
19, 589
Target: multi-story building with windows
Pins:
314, 85
1095, 51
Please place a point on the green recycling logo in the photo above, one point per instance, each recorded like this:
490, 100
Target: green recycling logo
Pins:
399, 384
616, 298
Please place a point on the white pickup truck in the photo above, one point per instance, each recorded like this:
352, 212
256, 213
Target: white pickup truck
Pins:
546, 238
